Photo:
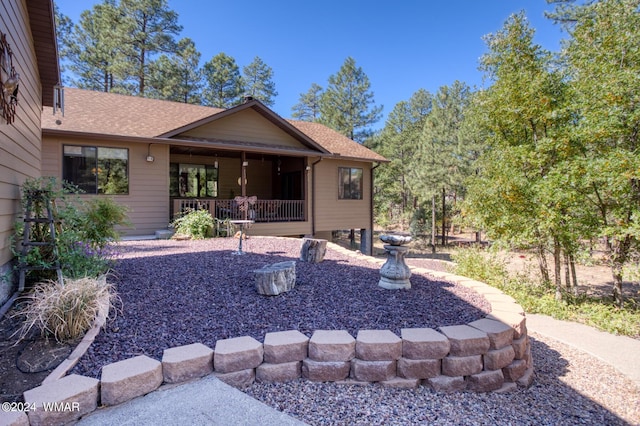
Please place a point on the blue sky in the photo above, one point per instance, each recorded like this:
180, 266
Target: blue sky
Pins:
402, 45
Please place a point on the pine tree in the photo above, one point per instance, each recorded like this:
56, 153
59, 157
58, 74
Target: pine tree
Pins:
177, 77
149, 28
308, 107
258, 81
94, 49
224, 84
398, 141
347, 104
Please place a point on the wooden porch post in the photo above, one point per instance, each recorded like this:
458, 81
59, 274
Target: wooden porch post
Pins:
243, 178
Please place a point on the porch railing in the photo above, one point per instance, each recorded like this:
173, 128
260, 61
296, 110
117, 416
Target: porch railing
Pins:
260, 212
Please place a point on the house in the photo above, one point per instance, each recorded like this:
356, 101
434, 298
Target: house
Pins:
159, 158
28, 57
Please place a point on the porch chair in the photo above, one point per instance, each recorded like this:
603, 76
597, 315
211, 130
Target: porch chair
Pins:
223, 227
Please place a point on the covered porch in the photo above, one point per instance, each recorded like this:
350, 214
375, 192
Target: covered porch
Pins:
263, 187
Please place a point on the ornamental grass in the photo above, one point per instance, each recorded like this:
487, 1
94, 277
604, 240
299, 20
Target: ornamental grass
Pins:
66, 311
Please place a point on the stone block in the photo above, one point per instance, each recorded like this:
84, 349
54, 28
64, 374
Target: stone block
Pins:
236, 354
516, 321
272, 280
466, 340
447, 384
498, 359
424, 343
520, 347
507, 387
454, 366
527, 356
500, 334
68, 399
325, 371
527, 378
373, 371
378, 345
282, 372
285, 346
507, 307
485, 381
332, 345
514, 371
238, 379
128, 379
499, 298
418, 368
313, 250
14, 418
400, 383
186, 362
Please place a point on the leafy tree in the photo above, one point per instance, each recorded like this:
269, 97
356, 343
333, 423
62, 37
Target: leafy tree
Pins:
258, 81
308, 108
523, 121
604, 65
347, 104
177, 77
150, 27
224, 84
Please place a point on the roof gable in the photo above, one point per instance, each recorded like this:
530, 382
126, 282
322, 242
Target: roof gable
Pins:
250, 122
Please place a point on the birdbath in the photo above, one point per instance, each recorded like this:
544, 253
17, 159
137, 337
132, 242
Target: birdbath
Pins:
242, 224
395, 274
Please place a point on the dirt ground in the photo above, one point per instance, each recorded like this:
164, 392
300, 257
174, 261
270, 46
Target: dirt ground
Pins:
25, 364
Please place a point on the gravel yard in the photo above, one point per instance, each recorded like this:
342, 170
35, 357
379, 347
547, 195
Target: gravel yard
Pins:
179, 292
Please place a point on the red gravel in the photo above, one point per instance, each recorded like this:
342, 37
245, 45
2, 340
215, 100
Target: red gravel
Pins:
180, 292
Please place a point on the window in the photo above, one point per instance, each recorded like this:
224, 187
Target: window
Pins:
193, 180
349, 183
96, 170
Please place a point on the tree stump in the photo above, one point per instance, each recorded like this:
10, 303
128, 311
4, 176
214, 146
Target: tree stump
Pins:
272, 280
313, 250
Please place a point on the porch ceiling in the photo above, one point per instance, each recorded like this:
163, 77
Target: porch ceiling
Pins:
196, 146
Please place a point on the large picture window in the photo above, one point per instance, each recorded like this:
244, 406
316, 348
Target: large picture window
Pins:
349, 183
193, 180
96, 170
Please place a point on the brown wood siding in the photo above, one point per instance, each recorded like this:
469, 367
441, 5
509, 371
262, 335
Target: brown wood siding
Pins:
246, 126
19, 141
148, 198
280, 229
332, 213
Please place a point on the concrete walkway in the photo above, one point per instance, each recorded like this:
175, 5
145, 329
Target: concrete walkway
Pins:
621, 352
207, 401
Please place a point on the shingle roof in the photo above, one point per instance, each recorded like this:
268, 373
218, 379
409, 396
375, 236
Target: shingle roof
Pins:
111, 114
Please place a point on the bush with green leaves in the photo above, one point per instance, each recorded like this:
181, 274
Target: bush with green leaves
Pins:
599, 312
197, 224
84, 228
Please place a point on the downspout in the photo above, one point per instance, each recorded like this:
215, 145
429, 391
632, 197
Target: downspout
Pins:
370, 248
313, 196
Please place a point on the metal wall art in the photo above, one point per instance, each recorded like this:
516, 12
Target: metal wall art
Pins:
9, 81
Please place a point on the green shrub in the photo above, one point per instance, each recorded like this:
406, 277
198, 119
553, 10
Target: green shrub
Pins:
197, 224
100, 216
84, 228
599, 312
66, 311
